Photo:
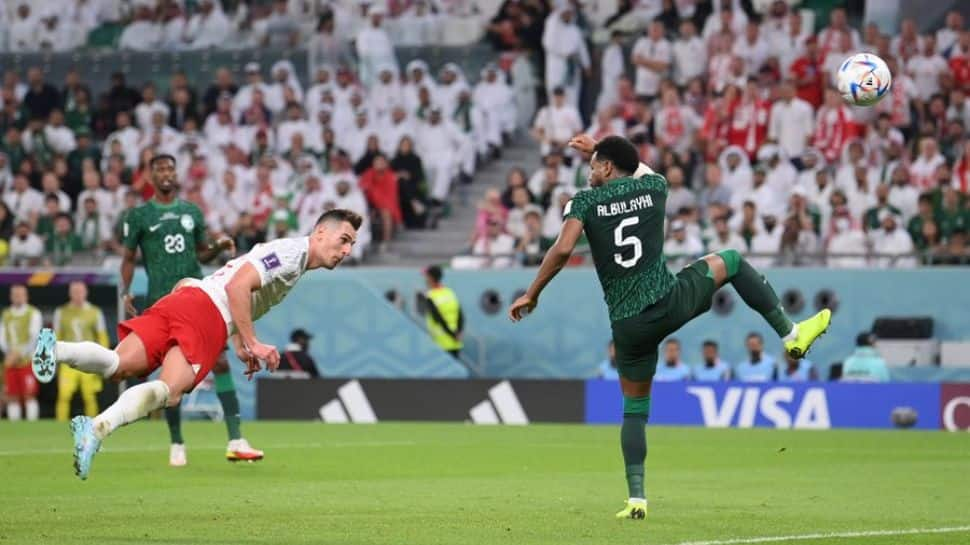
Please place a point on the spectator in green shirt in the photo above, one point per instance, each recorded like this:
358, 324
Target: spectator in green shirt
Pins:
64, 243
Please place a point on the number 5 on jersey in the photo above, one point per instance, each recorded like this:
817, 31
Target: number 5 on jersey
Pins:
622, 242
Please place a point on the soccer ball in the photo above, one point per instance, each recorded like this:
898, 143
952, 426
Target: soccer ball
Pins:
863, 79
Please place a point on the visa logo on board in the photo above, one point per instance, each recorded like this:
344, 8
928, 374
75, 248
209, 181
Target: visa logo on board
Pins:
741, 406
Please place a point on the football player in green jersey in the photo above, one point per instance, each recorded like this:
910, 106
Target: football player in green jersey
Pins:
622, 216
171, 234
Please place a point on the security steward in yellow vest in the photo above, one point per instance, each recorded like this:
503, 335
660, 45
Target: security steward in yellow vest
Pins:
444, 316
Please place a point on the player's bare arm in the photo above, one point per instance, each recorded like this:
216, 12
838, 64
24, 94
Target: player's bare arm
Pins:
553, 262
239, 292
208, 251
128, 262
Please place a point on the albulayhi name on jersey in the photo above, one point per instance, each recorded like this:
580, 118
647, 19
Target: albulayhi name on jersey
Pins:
624, 207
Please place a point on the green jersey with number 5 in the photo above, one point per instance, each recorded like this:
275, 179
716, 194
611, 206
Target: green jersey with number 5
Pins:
167, 235
624, 224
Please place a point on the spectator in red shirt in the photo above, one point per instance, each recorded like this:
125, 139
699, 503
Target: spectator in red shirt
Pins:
379, 184
960, 63
833, 126
808, 74
749, 120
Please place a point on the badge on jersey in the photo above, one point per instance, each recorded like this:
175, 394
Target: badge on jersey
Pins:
187, 222
271, 261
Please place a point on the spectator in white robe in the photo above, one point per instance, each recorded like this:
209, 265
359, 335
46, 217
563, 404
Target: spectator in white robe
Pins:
295, 123
397, 126
385, 94
892, 244
846, 246
567, 58
127, 136
948, 36
829, 37
207, 28
652, 56
419, 25
23, 30
285, 87
148, 106
495, 99
451, 83
54, 33
143, 33
556, 123
417, 77
612, 67
244, 97
439, 144
374, 47
926, 68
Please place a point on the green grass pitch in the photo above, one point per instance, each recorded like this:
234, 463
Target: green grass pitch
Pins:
477, 485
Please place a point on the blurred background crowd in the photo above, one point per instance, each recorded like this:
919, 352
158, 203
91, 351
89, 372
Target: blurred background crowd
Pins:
732, 100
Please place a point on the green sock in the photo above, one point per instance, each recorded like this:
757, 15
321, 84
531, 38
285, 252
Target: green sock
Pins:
173, 415
756, 292
633, 441
226, 391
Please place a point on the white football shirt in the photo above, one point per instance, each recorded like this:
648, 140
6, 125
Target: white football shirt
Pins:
280, 265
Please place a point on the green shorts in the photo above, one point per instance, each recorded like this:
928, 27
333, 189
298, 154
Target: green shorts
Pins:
636, 338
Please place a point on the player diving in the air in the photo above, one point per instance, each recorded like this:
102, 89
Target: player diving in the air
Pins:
186, 330
171, 234
623, 218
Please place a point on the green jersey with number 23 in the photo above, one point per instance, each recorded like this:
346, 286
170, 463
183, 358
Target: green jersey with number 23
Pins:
624, 224
167, 235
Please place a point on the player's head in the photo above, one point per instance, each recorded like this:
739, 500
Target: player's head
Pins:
77, 292
18, 295
433, 275
613, 157
672, 351
866, 338
333, 237
755, 343
164, 178
709, 351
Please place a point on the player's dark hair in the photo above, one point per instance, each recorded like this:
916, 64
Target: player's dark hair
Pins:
710, 343
161, 157
756, 335
865, 338
673, 340
619, 151
435, 273
341, 215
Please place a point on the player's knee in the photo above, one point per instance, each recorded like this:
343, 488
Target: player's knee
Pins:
636, 406
732, 261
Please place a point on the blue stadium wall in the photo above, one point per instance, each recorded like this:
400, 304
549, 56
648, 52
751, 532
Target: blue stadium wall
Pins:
358, 333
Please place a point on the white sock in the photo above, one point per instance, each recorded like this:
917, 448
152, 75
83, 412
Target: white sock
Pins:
13, 411
133, 404
792, 335
88, 357
639, 500
33, 409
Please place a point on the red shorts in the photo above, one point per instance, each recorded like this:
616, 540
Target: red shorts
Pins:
19, 382
186, 318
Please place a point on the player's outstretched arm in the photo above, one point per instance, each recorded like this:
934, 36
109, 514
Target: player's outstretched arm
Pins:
552, 263
209, 251
239, 291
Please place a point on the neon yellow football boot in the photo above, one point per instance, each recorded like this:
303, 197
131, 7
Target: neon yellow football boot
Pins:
635, 509
808, 331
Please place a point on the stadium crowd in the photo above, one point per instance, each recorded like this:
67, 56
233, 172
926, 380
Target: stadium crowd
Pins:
739, 110
260, 157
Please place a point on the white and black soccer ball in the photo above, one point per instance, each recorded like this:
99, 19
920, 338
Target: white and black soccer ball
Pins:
863, 79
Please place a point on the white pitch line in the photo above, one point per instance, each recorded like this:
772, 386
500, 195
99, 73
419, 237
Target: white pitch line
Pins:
830, 535
108, 449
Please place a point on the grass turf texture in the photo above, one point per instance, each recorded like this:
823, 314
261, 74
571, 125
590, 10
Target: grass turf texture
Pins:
449, 484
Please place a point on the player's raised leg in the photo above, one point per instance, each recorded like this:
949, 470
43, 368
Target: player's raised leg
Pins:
752, 286
86, 356
135, 403
633, 442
